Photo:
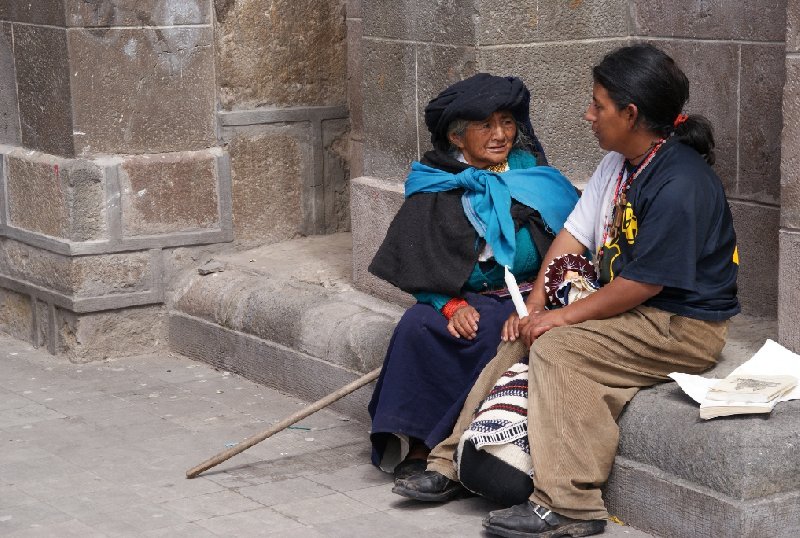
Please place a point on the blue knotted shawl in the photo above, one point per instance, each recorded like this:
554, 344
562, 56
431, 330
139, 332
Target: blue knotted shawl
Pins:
487, 199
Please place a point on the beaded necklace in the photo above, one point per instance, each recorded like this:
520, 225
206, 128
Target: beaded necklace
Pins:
611, 226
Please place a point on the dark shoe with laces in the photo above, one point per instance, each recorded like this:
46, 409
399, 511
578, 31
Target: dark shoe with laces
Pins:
429, 486
409, 468
531, 520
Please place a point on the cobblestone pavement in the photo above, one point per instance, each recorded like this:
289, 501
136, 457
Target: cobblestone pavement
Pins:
101, 449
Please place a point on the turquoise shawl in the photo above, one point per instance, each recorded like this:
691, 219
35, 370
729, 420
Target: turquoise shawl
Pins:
487, 199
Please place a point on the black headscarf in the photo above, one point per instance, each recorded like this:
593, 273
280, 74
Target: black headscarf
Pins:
476, 98
430, 244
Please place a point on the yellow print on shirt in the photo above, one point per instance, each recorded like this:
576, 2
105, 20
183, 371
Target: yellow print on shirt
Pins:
629, 225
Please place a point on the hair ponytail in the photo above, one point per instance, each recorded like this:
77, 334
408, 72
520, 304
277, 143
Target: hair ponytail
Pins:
696, 132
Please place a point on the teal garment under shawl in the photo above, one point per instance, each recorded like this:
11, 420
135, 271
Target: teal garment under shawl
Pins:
526, 264
487, 198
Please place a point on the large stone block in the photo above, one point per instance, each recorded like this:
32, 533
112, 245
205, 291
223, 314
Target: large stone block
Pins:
793, 27
790, 150
142, 90
355, 78
523, 21
44, 12
336, 175
140, 13
56, 197
167, 193
758, 20
353, 9
713, 71
16, 315
656, 502
757, 237
281, 53
121, 333
760, 95
679, 437
437, 68
9, 112
356, 158
78, 277
404, 77
374, 203
43, 88
560, 79
267, 171
390, 108
449, 22
42, 332
788, 291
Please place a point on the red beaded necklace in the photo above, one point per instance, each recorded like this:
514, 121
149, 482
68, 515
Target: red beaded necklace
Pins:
612, 225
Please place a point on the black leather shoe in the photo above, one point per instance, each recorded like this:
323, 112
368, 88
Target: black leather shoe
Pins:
429, 486
531, 520
409, 468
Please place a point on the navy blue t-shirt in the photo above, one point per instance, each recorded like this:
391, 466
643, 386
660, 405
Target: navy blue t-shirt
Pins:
677, 232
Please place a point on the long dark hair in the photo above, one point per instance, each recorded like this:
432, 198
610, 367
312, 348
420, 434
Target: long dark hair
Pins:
647, 77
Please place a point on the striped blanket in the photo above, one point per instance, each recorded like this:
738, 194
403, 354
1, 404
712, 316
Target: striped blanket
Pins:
493, 457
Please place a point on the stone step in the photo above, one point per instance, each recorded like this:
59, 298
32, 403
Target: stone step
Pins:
287, 316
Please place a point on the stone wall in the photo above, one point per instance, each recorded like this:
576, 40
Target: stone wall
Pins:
282, 78
732, 53
132, 131
789, 294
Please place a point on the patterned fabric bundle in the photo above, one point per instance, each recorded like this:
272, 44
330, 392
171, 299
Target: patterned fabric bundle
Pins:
493, 456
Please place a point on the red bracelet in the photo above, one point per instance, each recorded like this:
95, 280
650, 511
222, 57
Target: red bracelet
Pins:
452, 305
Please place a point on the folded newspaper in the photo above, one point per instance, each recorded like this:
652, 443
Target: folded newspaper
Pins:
771, 360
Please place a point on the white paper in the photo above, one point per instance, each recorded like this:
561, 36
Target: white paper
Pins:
771, 359
516, 296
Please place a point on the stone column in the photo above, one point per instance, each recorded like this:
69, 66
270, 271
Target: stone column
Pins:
113, 153
732, 53
108, 157
789, 271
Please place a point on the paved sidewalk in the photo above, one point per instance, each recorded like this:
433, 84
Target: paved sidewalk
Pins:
101, 449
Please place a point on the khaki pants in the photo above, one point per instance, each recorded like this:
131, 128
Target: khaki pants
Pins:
580, 378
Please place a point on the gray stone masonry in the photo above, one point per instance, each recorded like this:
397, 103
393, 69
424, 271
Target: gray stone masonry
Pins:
789, 298
101, 450
130, 131
286, 315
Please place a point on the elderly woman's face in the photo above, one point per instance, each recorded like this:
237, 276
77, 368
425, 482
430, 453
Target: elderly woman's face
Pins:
487, 142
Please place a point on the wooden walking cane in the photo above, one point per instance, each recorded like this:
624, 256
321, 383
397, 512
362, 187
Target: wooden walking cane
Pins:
282, 425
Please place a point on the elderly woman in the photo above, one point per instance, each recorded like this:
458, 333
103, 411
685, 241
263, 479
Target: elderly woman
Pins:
481, 200
655, 215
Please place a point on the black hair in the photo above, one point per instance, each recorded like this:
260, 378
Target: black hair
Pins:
647, 77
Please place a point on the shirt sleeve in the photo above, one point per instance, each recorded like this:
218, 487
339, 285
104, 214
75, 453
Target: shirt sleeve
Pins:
585, 217
665, 245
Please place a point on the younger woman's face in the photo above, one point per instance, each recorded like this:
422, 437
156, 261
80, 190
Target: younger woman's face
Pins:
611, 126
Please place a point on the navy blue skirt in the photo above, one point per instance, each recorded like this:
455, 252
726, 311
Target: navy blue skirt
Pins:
427, 373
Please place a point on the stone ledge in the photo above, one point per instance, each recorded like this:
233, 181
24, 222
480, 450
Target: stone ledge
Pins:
271, 364
675, 474
82, 305
654, 501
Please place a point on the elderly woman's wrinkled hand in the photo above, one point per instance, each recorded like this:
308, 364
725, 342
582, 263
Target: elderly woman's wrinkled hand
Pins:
464, 323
